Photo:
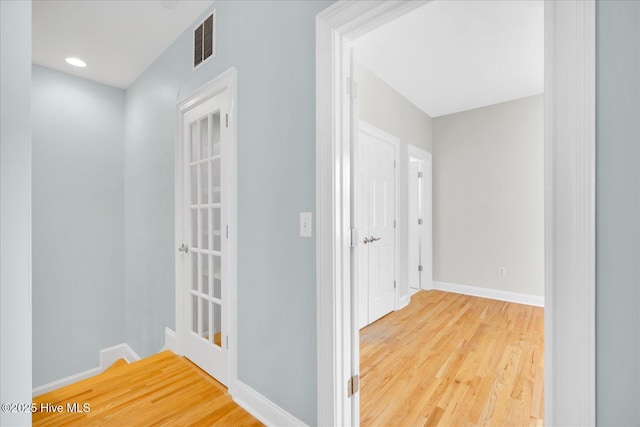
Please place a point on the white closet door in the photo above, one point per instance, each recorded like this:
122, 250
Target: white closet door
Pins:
381, 187
374, 200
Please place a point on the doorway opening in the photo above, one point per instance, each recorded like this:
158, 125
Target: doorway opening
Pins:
419, 220
569, 117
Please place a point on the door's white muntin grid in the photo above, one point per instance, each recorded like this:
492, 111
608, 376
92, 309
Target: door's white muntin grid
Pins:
206, 228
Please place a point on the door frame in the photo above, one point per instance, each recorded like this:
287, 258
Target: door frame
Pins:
569, 195
225, 81
427, 208
365, 127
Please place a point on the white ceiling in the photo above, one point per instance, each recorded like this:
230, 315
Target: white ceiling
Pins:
117, 39
452, 56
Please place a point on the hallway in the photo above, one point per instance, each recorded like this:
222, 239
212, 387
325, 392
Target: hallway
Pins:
163, 389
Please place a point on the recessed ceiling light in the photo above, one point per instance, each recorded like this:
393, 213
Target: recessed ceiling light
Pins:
76, 62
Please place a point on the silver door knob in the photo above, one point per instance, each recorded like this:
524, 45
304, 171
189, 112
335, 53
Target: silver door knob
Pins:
374, 239
184, 248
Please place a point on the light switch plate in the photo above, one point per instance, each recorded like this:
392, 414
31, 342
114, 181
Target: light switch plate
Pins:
305, 224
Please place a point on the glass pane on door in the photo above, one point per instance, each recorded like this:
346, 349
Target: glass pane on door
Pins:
217, 278
205, 274
204, 183
204, 138
217, 229
194, 314
215, 181
205, 330
217, 324
215, 136
204, 224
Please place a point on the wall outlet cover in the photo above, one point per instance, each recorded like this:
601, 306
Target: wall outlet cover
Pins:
305, 224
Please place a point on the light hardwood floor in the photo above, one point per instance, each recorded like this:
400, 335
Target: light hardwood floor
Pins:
163, 389
453, 360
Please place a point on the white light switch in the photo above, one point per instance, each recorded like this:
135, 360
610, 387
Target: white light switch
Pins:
305, 224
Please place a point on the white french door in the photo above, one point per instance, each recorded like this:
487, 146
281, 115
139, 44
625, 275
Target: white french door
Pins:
375, 223
204, 287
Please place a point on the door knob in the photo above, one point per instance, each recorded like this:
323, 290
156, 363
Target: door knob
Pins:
184, 248
374, 239
366, 240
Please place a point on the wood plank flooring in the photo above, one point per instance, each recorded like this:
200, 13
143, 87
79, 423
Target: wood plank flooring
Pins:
453, 360
163, 389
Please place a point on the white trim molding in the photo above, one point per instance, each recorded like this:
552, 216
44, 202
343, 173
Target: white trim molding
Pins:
497, 294
569, 205
107, 357
262, 408
403, 301
570, 86
169, 340
335, 26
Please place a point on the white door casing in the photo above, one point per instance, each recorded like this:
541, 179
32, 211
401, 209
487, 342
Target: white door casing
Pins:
205, 228
375, 213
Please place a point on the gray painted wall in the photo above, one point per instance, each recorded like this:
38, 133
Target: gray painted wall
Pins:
488, 201
15, 208
78, 222
383, 107
618, 213
276, 181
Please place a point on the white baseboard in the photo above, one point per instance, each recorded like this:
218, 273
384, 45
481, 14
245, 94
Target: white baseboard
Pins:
403, 301
106, 358
496, 294
428, 285
42, 389
262, 408
169, 340
109, 356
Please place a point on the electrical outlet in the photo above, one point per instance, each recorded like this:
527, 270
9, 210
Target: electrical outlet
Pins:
502, 271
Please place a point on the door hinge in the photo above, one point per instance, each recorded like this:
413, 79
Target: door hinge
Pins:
353, 385
419, 221
419, 174
226, 118
227, 232
352, 88
354, 238
394, 284
419, 268
227, 341
394, 223
394, 163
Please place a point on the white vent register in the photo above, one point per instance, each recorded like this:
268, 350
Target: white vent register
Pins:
204, 44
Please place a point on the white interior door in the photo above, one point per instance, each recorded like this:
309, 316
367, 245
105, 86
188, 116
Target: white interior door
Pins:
414, 223
420, 227
375, 217
205, 215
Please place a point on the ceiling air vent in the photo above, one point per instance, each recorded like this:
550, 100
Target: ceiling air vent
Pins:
204, 41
